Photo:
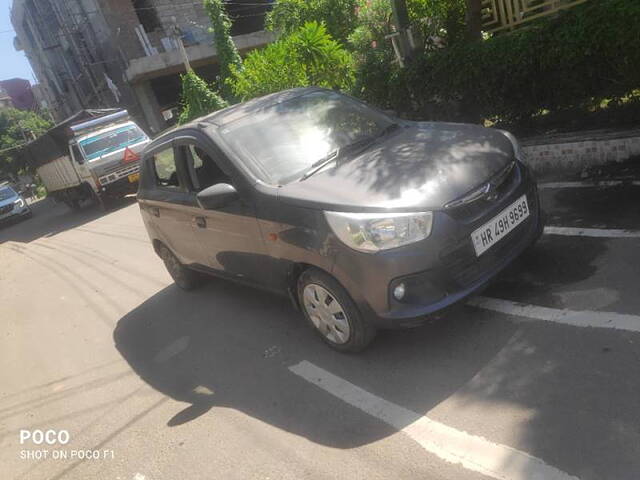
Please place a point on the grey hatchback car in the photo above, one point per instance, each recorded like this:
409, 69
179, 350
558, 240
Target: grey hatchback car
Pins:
364, 220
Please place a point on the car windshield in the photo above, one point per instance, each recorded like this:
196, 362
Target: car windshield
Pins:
285, 140
108, 142
6, 193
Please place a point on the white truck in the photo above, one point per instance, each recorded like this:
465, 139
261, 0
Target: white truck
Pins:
93, 155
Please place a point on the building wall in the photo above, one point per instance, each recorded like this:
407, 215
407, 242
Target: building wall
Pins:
60, 39
82, 54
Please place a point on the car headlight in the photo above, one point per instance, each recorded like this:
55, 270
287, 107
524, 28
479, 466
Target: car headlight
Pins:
517, 149
19, 203
371, 232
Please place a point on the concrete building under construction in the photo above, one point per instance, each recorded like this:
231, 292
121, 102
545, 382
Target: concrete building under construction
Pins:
124, 53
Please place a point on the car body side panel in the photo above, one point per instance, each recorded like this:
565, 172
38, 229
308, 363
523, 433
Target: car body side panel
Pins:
293, 236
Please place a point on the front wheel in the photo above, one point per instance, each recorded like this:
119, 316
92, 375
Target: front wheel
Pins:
184, 277
332, 313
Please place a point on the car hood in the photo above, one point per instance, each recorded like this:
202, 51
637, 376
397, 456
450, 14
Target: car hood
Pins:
422, 166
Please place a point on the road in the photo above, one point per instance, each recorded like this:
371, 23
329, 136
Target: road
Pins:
539, 378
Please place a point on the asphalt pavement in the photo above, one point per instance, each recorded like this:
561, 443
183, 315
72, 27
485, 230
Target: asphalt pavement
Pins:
536, 378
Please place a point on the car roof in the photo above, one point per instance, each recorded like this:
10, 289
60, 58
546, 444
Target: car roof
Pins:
234, 112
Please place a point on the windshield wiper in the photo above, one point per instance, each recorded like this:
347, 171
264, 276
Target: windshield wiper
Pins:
363, 143
367, 141
320, 164
359, 146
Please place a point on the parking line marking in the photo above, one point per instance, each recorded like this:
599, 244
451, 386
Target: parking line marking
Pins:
592, 232
454, 446
586, 318
603, 183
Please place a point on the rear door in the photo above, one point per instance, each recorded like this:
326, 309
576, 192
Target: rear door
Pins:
230, 238
166, 205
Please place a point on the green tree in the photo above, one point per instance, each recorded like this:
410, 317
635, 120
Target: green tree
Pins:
198, 98
339, 16
309, 56
16, 128
228, 56
434, 24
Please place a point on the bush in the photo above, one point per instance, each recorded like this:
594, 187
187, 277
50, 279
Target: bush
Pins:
307, 57
198, 98
584, 55
434, 23
228, 56
339, 16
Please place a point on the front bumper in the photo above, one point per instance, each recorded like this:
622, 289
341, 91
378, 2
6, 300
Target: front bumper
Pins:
15, 212
121, 187
442, 269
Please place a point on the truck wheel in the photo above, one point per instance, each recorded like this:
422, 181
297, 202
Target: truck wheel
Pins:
73, 204
332, 313
96, 198
184, 277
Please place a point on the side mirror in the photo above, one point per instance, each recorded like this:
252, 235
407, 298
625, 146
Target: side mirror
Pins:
217, 196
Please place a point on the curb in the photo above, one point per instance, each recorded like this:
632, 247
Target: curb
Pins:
572, 153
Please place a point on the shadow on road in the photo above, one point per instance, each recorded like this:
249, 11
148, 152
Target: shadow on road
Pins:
50, 218
231, 346
227, 345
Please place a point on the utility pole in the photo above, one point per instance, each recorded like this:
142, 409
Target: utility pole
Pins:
474, 19
402, 38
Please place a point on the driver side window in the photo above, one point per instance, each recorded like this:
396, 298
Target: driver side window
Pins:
203, 170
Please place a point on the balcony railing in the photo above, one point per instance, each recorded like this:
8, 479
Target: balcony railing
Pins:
500, 15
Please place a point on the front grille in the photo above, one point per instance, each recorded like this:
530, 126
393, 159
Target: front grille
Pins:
471, 211
6, 209
124, 172
464, 267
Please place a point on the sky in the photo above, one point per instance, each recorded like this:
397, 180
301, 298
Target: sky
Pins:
12, 64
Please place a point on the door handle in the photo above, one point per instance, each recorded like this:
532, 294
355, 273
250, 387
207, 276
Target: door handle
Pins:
201, 222
155, 211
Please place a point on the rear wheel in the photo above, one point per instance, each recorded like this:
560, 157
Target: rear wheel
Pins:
184, 277
332, 313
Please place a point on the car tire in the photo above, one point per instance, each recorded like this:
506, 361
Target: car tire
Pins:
184, 277
332, 313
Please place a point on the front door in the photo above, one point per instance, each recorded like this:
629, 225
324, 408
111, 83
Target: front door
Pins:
230, 237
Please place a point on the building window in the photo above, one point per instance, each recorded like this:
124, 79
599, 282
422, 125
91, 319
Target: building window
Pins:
147, 15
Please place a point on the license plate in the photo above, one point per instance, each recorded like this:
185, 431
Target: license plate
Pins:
499, 226
134, 177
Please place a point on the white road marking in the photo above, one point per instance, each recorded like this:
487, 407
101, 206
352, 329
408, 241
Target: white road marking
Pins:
603, 183
454, 446
620, 321
592, 232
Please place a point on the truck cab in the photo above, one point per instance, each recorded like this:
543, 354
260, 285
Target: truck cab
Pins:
109, 158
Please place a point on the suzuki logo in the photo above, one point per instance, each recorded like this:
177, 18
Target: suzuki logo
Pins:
491, 195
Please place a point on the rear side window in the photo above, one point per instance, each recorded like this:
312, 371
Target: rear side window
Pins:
164, 165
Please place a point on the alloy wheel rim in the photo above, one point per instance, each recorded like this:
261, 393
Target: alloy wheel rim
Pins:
326, 314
